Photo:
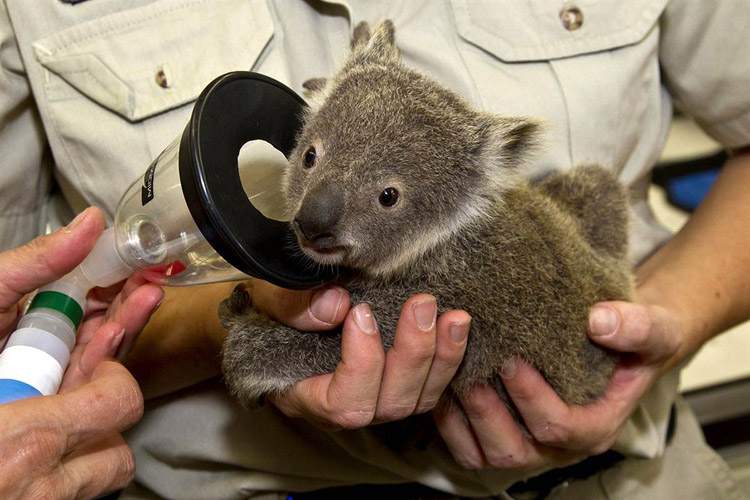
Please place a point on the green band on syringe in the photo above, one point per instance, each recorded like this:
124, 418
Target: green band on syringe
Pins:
59, 302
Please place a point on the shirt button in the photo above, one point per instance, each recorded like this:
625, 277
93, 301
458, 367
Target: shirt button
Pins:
161, 79
571, 17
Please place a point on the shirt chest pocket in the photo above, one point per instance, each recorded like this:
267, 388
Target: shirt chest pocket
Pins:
590, 67
116, 88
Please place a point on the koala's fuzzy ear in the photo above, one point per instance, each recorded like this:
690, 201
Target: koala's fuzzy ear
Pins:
315, 84
378, 46
315, 92
361, 35
508, 142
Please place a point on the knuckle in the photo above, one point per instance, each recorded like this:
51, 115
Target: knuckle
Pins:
426, 404
37, 248
639, 325
358, 370
602, 445
353, 419
37, 245
40, 444
551, 433
477, 410
415, 357
470, 462
114, 474
376, 360
522, 394
119, 395
674, 344
505, 460
422, 357
598, 449
391, 415
394, 411
126, 395
373, 362
449, 358
127, 467
133, 402
288, 405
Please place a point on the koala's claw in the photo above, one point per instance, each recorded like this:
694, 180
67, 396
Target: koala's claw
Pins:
239, 301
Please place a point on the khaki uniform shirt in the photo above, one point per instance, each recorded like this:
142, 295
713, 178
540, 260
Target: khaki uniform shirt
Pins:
91, 92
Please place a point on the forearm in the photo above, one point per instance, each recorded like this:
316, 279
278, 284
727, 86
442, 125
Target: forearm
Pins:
703, 273
181, 345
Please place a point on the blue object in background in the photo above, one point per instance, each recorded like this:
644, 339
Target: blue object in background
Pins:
13, 390
687, 191
688, 182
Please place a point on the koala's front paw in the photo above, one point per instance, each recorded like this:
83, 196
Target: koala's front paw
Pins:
251, 367
262, 357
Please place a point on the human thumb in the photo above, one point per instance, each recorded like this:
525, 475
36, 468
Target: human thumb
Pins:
650, 331
306, 310
47, 258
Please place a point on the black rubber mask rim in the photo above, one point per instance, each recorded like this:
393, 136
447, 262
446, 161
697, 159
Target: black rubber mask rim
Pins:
234, 109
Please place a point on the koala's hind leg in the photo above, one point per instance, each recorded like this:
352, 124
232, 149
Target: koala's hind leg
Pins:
598, 200
262, 357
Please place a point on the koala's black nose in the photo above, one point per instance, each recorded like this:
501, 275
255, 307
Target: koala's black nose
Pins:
318, 216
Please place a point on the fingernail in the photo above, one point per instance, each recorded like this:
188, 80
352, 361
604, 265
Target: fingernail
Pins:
325, 304
161, 300
364, 318
508, 370
425, 312
459, 332
78, 219
603, 321
116, 341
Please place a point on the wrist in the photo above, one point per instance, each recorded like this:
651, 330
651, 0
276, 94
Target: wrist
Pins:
701, 274
672, 297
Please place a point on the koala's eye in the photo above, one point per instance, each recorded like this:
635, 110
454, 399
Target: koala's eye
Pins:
309, 157
389, 197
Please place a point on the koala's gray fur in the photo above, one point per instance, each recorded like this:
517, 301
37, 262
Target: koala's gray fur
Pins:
527, 262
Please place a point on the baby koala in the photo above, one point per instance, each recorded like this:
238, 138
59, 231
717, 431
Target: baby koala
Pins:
398, 181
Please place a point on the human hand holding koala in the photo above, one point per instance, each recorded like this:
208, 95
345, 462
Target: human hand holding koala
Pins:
481, 432
368, 386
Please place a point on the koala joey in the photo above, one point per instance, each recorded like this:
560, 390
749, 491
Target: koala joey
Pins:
400, 183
